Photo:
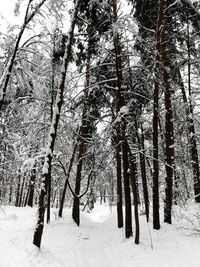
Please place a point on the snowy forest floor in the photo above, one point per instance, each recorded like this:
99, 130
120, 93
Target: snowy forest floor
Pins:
98, 242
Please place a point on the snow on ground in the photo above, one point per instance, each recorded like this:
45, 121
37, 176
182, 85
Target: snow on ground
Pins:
96, 243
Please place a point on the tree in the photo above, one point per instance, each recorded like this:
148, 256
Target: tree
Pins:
122, 128
156, 216
8, 70
169, 138
143, 169
53, 131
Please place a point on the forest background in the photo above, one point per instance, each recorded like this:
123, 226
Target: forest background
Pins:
100, 103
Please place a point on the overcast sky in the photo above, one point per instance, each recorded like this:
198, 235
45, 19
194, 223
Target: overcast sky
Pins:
7, 14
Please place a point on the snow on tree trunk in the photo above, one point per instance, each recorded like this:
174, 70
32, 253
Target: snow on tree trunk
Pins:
53, 132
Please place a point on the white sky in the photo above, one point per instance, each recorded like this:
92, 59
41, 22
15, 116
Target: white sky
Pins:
7, 14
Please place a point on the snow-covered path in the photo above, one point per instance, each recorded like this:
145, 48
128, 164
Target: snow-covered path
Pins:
96, 243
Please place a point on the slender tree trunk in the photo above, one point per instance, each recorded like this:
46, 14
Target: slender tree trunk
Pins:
156, 214
135, 168
32, 186
49, 198
104, 196
82, 141
143, 172
192, 135
66, 182
169, 138
118, 127
76, 202
53, 95
53, 132
133, 177
128, 211
18, 190
101, 197
26, 194
22, 191
10, 193
119, 176
122, 126
176, 187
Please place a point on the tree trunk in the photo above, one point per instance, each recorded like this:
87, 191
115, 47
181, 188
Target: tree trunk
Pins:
49, 198
135, 175
53, 95
22, 191
143, 172
119, 178
76, 202
11, 193
83, 137
32, 186
169, 138
53, 132
26, 197
192, 135
128, 211
66, 182
122, 126
156, 215
18, 190
135, 197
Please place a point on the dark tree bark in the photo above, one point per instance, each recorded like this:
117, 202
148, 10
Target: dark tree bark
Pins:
32, 186
133, 177
53, 132
76, 203
156, 214
62, 200
122, 126
11, 193
83, 139
143, 172
169, 151
18, 190
169, 138
22, 191
192, 134
127, 194
53, 96
119, 180
135, 169
120, 221
118, 105
25, 195
49, 197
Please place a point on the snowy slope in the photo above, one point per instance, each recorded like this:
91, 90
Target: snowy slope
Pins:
96, 243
